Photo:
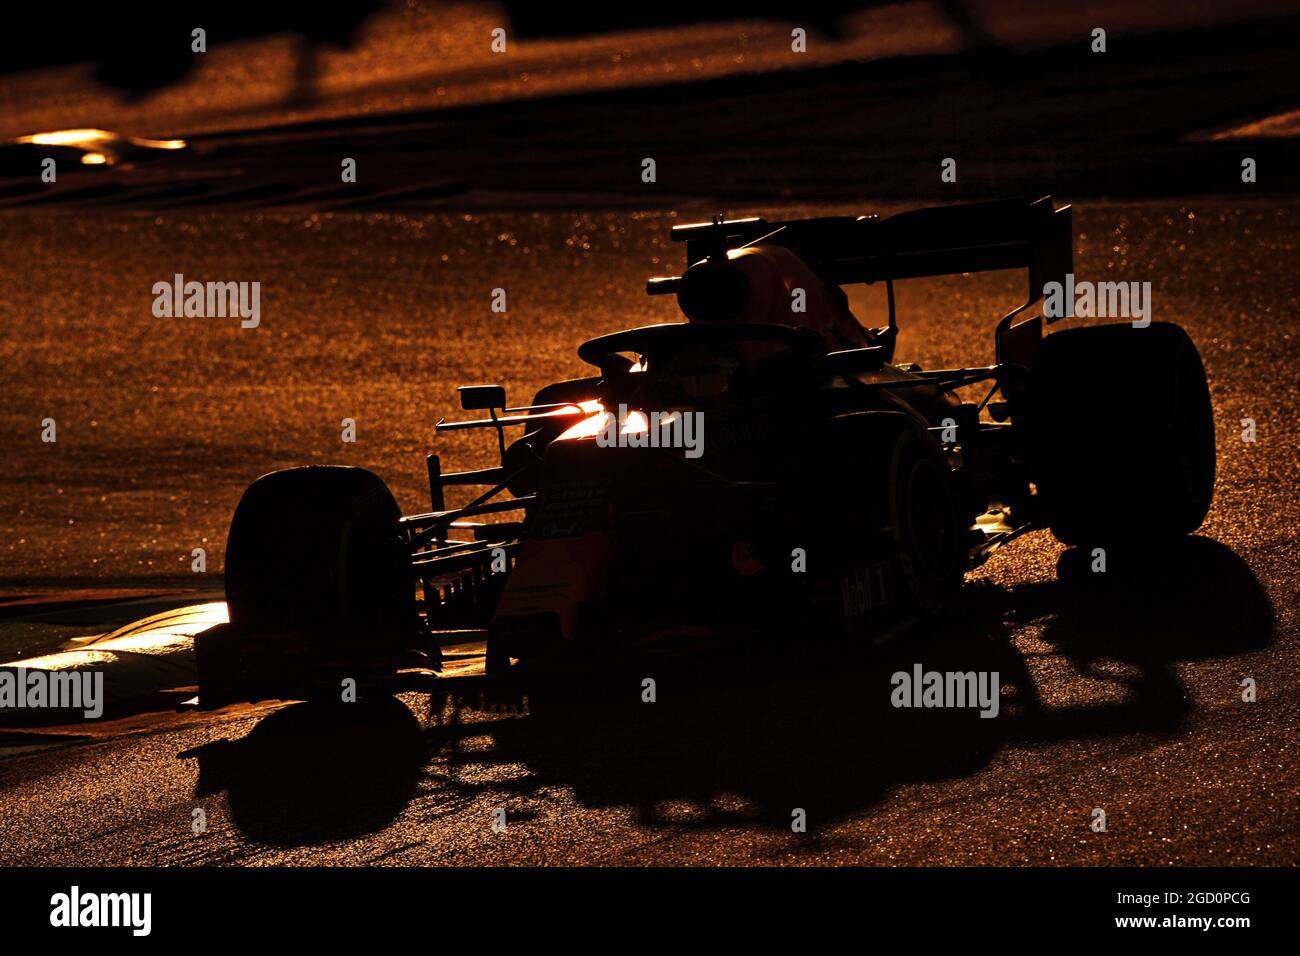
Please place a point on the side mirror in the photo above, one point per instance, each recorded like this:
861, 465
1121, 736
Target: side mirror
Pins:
482, 396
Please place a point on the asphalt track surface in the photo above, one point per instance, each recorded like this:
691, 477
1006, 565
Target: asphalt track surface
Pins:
1121, 694
1121, 691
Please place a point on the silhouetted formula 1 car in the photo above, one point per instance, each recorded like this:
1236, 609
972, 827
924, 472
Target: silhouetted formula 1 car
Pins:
765, 465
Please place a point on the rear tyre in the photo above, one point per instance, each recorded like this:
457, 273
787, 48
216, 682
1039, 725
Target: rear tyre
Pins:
317, 552
1121, 434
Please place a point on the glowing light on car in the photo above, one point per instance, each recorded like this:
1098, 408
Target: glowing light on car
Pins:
635, 422
589, 427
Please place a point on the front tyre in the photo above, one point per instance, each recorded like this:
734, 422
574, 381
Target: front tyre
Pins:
317, 552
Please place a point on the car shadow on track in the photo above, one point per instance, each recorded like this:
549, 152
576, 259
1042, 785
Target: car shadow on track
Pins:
316, 772
746, 738
823, 735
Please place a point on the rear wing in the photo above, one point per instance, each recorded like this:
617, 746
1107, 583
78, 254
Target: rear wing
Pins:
940, 240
